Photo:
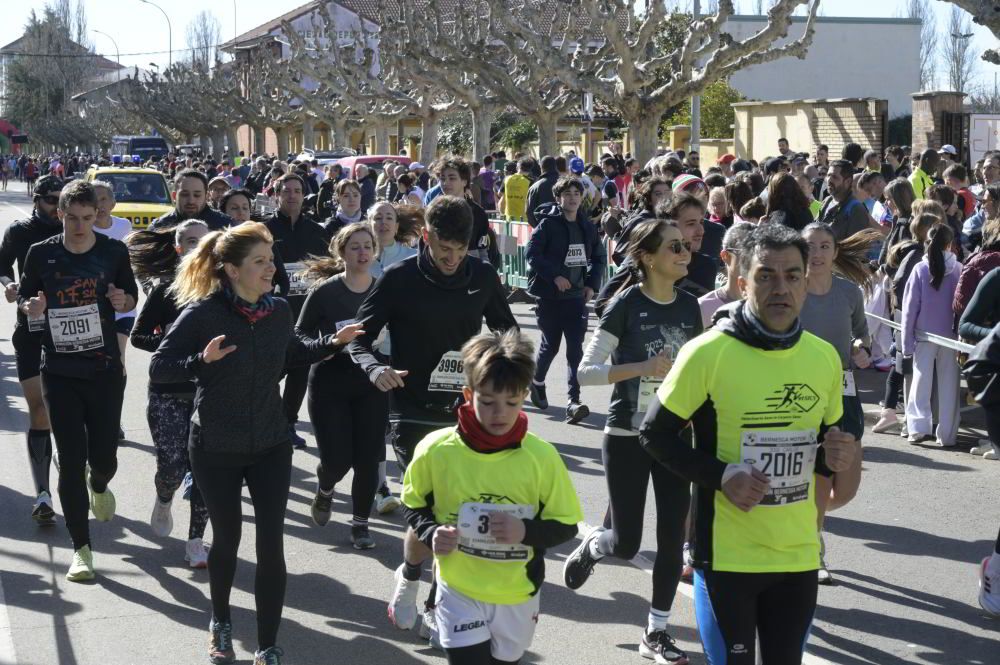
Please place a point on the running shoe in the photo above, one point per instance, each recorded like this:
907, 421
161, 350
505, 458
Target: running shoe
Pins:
989, 588
403, 605
580, 563
321, 507
981, 448
42, 511
297, 441
938, 443
575, 412
429, 629
538, 397
269, 656
220, 643
102, 504
186, 486
823, 575
82, 568
659, 646
196, 554
991, 454
887, 420
162, 520
385, 502
913, 437
360, 538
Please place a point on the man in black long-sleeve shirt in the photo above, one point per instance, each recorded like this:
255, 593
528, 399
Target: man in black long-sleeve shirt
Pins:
191, 190
432, 304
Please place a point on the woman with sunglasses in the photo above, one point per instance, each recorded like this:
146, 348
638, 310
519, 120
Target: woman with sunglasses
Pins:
641, 332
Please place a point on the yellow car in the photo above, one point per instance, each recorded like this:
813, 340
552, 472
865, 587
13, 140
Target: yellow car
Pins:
141, 195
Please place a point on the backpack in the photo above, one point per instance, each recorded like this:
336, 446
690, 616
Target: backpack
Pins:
982, 370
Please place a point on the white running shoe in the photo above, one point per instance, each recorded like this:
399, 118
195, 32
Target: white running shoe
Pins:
887, 420
429, 629
386, 503
989, 588
161, 521
403, 606
991, 454
983, 447
196, 554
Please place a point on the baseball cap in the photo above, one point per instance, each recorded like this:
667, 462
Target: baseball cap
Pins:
416, 165
726, 159
947, 148
576, 165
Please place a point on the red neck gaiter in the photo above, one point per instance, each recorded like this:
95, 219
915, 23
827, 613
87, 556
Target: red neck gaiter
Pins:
477, 438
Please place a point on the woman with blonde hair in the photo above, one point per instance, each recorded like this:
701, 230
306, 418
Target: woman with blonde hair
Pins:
234, 340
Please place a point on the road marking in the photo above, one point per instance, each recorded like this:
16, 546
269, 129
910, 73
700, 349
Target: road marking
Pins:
18, 208
7, 654
686, 590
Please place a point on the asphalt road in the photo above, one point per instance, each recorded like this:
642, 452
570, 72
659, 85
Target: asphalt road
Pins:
904, 554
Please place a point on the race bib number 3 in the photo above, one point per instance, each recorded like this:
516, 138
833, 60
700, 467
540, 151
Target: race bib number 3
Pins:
474, 531
449, 375
850, 389
787, 458
576, 257
76, 329
297, 283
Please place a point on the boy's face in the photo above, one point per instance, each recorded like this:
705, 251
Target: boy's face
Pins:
496, 411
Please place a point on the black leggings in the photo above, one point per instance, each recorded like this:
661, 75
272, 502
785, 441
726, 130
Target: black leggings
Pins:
350, 433
734, 608
295, 391
268, 478
628, 468
84, 414
477, 654
893, 389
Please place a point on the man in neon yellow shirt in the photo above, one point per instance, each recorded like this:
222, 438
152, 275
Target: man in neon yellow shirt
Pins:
515, 192
764, 400
922, 177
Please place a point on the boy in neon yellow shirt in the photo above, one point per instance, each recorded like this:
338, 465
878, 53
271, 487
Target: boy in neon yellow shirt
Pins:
489, 498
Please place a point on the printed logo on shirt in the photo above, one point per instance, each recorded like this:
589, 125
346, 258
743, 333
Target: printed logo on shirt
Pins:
792, 398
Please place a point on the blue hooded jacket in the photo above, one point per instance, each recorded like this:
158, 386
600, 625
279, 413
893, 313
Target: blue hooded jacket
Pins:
547, 249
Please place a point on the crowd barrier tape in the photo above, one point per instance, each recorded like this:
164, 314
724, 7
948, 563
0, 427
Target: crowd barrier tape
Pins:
922, 336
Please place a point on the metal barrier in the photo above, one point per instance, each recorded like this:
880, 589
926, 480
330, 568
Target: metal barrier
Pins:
512, 241
922, 336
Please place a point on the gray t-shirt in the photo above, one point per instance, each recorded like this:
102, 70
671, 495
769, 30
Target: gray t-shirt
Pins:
837, 317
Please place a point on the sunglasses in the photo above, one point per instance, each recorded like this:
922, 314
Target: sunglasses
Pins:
676, 246
51, 200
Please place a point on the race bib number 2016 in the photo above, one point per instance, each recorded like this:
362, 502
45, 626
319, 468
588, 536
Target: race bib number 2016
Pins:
76, 329
788, 458
474, 531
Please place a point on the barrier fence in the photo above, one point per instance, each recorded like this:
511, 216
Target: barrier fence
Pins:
922, 336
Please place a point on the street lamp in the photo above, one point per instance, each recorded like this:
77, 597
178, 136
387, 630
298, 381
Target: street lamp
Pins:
170, 32
118, 55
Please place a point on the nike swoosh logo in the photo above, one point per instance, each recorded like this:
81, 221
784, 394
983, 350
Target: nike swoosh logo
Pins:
472, 292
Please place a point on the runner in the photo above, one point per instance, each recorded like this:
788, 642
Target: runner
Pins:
432, 304
76, 281
489, 498
297, 237
190, 194
710, 303
834, 311
348, 206
454, 174
27, 337
743, 387
348, 413
566, 263
117, 228
224, 286
641, 331
238, 205
155, 257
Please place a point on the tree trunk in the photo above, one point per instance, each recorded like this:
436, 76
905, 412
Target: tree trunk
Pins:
308, 134
205, 145
642, 131
338, 132
233, 139
283, 137
482, 125
381, 139
219, 144
428, 137
548, 141
260, 140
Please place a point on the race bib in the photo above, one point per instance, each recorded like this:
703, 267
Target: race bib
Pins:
345, 322
648, 385
297, 282
76, 329
787, 458
449, 375
576, 257
474, 531
36, 324
850, 389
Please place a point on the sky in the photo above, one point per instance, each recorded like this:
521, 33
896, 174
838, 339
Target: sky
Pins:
140, 30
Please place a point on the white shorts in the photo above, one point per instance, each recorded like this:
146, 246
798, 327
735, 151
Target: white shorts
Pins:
463, 622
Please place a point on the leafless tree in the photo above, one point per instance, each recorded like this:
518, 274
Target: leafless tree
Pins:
922, 10
985, 13
958, 53
203, 34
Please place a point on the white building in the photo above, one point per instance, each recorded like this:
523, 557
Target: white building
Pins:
849, 57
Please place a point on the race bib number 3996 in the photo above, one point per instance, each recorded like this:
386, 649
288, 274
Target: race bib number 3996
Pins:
449, 374
788, 458
474, 531
76, 329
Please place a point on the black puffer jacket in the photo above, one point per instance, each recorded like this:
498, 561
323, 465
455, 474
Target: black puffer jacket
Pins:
237, 404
